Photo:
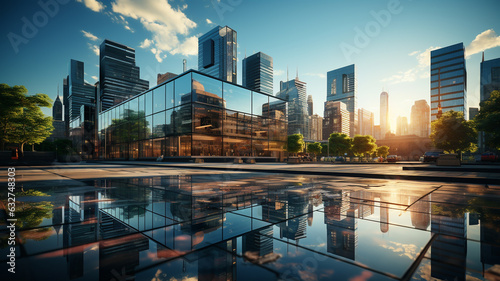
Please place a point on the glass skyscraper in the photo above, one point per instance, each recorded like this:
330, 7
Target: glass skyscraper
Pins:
448, 80
384, 114
79, 92
341, 86
217, 53
258, 73
119, 77
294, 91
490, 77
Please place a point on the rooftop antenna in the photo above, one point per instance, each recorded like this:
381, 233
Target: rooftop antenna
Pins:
184, 65
483, 57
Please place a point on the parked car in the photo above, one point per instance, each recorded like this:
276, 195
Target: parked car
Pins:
392, 158
431, 156
489, 157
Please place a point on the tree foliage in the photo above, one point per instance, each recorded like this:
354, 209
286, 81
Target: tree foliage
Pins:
339, 143
31, 126
314, 148
363, 145
295, 143
488, 119
453, 133
383, 151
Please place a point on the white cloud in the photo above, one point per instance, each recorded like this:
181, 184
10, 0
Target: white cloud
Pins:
320, 75
146, 43
413, 53
90, 35
94, 5
128, 28
169, 27
184, 7
95, 78
486, 40
278, 72
94, 48
209, 21
421, 71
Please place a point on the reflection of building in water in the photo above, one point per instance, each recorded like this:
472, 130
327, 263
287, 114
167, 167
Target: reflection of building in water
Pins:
384, 217
449, 250
490, 251
340, 219
420, 212
260, 241
295, 227
218, 265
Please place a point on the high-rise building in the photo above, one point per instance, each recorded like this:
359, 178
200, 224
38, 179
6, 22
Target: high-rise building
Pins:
57, 109
59, 131
376, 132
294, 91
217, 53
341, 86
490, 81
384, 114
402, 126
164, 77
365, 122
119, 77
258, 73
335, 119
473, 111
79, 92
310, 105
420, 119
66, 105
315, 127
448, 80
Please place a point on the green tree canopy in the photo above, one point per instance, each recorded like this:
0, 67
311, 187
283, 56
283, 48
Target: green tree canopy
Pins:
488, 119
31, 126
362, 145
295, 143
314, 148
453, 133
339, 143
383, 151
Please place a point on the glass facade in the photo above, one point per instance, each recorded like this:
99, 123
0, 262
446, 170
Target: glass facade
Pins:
79, 92
294, 91
195, 115
341, 86
448, 80
258, 73
217, 53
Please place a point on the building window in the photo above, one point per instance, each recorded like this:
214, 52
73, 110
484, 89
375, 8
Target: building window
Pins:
345, 83
334, 87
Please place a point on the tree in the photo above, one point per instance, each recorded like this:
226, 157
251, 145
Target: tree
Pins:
383, 151
13, 100
488, 119
314, 148
30, 127
339, 143
453, 133
362, 145
295, 143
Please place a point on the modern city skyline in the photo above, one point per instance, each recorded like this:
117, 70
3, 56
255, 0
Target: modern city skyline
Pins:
385, 125
79, 92
57, 109
402, 126
448, 80
257, 73
217, 53
119, 77
341, 86
295, 92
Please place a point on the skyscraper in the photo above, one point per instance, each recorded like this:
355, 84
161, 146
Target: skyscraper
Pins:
315, 127
294, 91
402, 126
258, 73
119, 77
448, 80
365, 122
57, 109
79, 92
419, 120
217, 53
59, 131
384, 114
310, 105
335, 119
341, 86
490, 77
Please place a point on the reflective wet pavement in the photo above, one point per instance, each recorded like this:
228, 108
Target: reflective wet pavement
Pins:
254, 226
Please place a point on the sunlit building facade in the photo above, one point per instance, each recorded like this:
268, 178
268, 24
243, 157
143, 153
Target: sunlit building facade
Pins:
384, 114
258, 73
195, 115
341, 86
365, 122
295, 93
217, 53
420, 119
335, 119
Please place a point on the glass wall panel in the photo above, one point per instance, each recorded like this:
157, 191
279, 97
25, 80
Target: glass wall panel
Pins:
204, 145
237, 147
124, 150
182, 119
237, 98
207, 119
133, 107
276, 109
142, 106
259, 102
159, 126
158, 147
207, 90
260, 128
142, 128
134, 150
184, 145
169, 124
121, 133
237, 124
133, 127
148, 127
145, 149
277, 149
182, 90
171, 147
169, 101
260, 148
149, 103
159, 99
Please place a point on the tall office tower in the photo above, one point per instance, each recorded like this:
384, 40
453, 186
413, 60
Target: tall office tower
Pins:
310, 105
384, 114
66, 105
402, 126
119, 77
57, 109
217, 53
448, 81
258, 73
336, 119
365, 122
341, 86
80, 92
420, 119
294, 91
59, 131
490, 81
376, 132
315, 127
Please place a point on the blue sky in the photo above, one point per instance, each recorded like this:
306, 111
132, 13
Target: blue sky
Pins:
388, 40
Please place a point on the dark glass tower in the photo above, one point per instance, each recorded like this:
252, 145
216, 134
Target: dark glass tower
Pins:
341, 86
294, 91
79, 92
258, 73
119, 77
57, 109
448, 80
217, 53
